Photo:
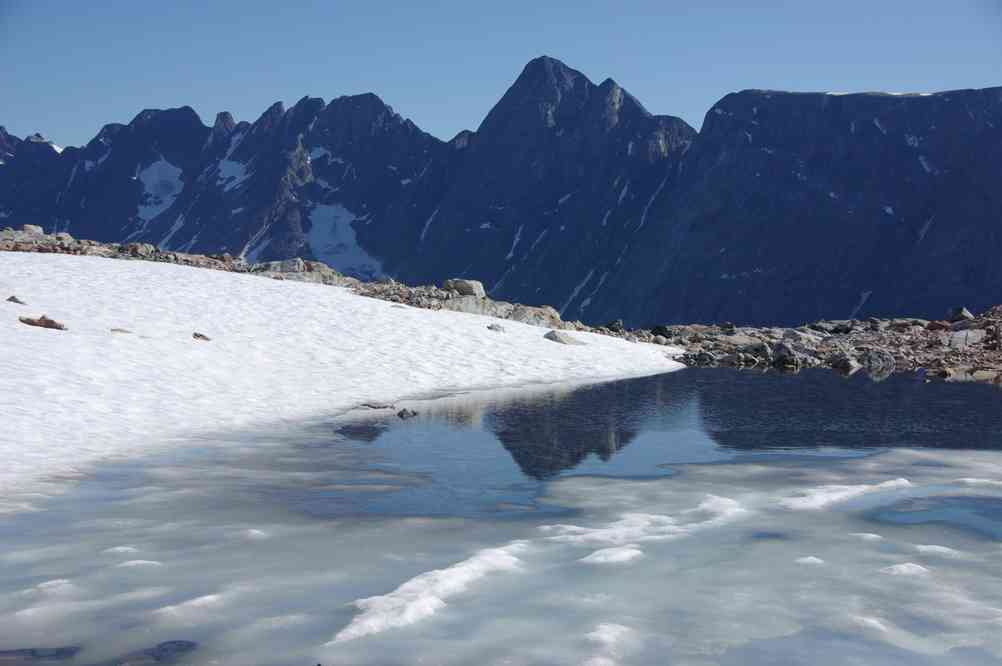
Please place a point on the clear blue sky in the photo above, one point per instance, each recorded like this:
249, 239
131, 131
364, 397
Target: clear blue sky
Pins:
68, 67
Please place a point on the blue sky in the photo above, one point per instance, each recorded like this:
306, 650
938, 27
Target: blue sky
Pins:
69, 67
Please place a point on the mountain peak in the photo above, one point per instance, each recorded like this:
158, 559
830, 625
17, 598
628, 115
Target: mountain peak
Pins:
546, 71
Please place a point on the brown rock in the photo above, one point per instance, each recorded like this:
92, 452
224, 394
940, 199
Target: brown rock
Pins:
42, 322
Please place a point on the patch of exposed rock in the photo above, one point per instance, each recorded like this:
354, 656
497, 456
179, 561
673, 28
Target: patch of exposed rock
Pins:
964, 349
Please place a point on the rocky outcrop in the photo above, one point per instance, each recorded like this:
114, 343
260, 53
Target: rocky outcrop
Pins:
963, 350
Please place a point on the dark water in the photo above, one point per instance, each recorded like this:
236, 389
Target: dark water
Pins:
490, 455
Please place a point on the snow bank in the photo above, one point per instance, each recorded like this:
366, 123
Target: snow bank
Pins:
279, 351
424, 595
824, 496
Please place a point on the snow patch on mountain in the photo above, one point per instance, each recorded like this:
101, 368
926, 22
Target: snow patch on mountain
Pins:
161, 185
333, 241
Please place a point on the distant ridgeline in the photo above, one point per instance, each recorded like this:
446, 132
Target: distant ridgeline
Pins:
784, 208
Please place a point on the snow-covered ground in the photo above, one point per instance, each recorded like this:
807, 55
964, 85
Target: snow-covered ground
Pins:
278, 351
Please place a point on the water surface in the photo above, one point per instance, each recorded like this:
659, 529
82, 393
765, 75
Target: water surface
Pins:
700, 517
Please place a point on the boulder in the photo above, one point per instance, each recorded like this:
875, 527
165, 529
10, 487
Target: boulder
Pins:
784, 355
405, 414
465, 287
964, 339
879, 364
497, 328
201, 337
660, 340
42, 322
958, 313
562, 338
616, 326
33, 229
662, 330
536, 316
141, 250
967, 324
760, 350
844, 362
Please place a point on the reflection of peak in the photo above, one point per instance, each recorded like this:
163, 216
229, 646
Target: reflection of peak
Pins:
547, 437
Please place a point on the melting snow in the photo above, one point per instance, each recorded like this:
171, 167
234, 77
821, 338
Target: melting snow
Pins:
256, 243
514, 243
650, 202
577, 290
427, 223
178, 223
425, 594
622, 194
540, 237
863, 298
333, 241
108, 394
824, 496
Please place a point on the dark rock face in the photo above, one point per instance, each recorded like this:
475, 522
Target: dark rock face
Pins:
795, 207
785, 208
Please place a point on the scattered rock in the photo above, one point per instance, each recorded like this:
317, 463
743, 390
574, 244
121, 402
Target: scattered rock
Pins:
497, 328
42, 322
616, 326
785, 356
405, 414
660, 340
30, 655
121, 330
965, 339
879, 364
201, 336
958, 313
15, 299
562, 338
844, 363
466, 287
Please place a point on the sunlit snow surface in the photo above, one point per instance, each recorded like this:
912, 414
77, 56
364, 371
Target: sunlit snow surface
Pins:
280, 351
689, 518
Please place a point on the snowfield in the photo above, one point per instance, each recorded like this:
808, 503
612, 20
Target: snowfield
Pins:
279, 350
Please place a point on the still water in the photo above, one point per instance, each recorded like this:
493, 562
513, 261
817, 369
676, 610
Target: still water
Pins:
700, 517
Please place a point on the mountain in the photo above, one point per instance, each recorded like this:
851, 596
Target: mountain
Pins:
794, 207
785, 207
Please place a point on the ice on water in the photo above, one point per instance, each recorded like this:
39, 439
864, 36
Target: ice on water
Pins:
712, 565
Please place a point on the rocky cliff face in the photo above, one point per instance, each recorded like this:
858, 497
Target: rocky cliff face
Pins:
793, 207
784, 208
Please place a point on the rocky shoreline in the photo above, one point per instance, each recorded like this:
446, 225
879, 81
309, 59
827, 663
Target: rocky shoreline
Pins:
960, 347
